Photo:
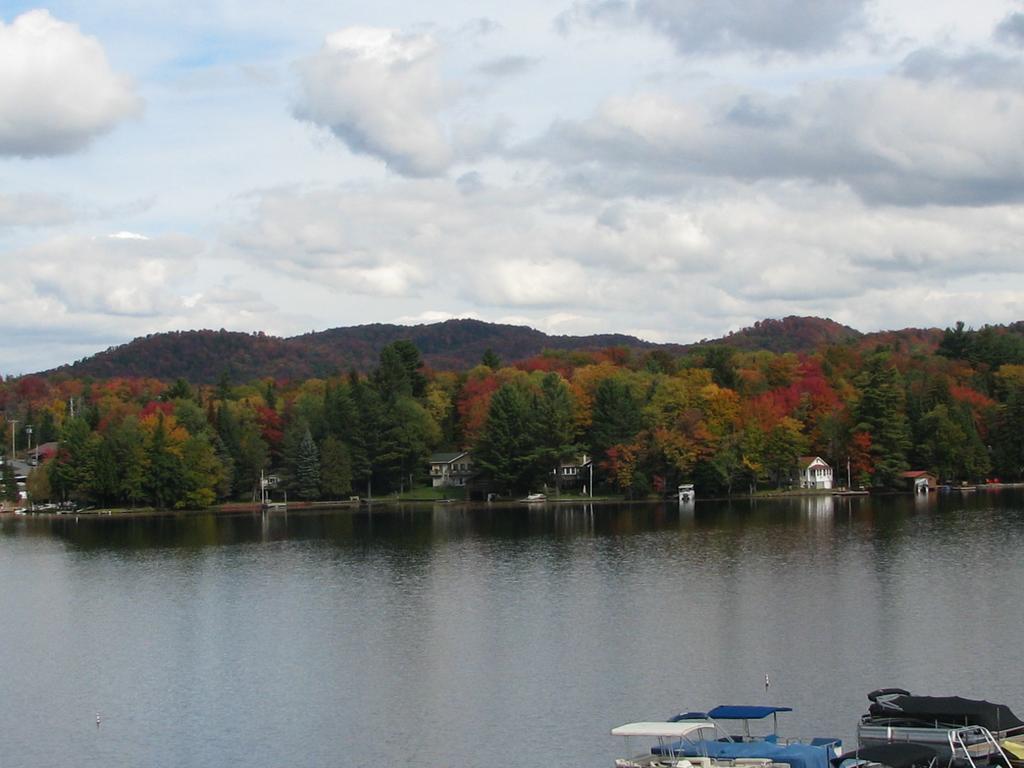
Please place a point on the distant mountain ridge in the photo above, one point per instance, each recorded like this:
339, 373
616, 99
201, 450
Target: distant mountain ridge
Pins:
203, 356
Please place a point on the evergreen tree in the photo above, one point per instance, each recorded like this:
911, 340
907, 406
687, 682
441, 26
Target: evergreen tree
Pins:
365, 437
128, 444
1008, 436
69, 472
491, 360
307, 470
179, 390
105, 486
722, 362
881, 414
47, 429
504, 448
335, 469
951, 446
164, 480
339, 412
616, 415
552, 427
399, 372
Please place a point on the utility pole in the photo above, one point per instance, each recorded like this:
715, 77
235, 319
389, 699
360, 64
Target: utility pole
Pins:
28, 431
14, 449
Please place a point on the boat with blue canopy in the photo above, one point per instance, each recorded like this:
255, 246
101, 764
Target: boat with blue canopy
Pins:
708, 742
744, 714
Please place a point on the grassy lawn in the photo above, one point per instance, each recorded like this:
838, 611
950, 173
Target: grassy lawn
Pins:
429, 493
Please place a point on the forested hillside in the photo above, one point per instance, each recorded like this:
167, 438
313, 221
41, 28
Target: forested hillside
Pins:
725, 419
203, 357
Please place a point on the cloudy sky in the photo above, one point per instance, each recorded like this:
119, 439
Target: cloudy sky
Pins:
673, 169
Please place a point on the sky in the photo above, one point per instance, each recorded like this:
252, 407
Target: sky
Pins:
672, 169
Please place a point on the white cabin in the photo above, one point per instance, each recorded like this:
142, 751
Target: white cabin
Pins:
814, 472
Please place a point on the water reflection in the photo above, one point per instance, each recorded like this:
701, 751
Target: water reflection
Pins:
418, 526
361, 637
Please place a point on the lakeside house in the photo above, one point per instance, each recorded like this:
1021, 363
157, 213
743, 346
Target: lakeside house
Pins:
919, 481
814, 472
451, 469
574, 471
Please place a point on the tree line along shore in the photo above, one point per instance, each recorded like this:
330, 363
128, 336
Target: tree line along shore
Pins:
725, 420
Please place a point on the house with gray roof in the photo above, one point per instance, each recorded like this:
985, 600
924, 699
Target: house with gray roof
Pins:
451, 469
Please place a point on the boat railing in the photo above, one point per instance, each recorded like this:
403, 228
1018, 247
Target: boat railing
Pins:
974, 741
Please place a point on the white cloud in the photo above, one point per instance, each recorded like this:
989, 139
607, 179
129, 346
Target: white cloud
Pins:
74, 295
689, 267
380, 92
528, 282
860, 160
113, 275
894, 140
57, 90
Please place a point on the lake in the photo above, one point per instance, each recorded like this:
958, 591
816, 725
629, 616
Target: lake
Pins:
443, 635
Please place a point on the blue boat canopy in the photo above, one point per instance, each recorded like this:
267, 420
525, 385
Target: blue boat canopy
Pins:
795, 755
744, 713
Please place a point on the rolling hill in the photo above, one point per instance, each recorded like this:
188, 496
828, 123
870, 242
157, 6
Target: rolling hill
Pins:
203, 356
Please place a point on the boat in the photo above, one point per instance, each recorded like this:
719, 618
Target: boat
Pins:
964, 732
678, 744
534, 497
686, 492
894, 755
704, 742
665, 736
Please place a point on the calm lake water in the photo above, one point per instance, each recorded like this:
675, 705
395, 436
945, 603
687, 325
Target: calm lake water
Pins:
444, 636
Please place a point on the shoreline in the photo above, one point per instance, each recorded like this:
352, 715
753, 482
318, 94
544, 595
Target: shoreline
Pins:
243, 508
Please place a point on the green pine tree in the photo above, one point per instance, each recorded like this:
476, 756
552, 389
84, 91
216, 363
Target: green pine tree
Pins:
881, 412
335, 469
307, 468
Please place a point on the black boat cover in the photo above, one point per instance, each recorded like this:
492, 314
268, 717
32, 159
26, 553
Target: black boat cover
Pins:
896, 755
947, 710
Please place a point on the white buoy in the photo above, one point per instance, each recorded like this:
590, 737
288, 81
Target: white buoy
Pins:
97, 719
